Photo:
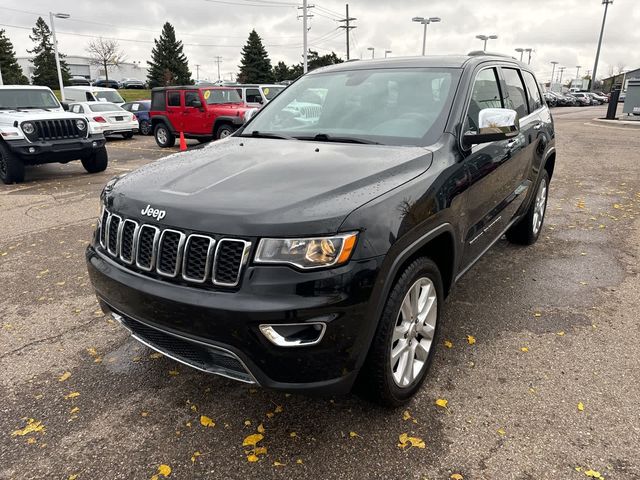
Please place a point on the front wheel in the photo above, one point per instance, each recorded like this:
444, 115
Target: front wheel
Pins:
164, 137
11, 167
145, 127
127, 135
97, 161
223, 131
403, 346
528, 229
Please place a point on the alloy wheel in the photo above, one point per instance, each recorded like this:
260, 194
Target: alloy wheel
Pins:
540, 206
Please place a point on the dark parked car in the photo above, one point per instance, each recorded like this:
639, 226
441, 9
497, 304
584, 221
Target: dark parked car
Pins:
132, 83
102, 82
141, 110
303, 255
79, 81
551, 99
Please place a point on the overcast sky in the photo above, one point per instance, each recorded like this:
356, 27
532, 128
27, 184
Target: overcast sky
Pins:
565, 31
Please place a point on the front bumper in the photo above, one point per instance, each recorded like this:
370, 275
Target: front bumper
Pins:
33, 153
198, 326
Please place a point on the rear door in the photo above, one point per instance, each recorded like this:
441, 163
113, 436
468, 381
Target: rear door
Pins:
496, 170
194, 116
253, 98
175, 102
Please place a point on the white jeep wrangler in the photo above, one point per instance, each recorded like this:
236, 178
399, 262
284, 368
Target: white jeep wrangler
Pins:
35, 129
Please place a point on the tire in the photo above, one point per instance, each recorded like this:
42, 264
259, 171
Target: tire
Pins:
145, 127
164, 137
527, 230
224, 131
11, 167
127, 135
204, 140
97, 161
381, 379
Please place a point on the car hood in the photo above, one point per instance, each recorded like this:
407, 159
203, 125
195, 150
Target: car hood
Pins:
10, 116
265, 187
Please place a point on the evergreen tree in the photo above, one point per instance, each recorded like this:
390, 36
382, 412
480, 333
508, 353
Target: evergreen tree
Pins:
45, 72
255, 64
316, 61
168, 65
11, 71
281, 72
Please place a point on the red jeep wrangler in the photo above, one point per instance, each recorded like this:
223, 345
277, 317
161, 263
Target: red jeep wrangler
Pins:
203, 113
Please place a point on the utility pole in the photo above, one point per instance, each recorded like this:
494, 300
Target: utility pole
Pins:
218, 59
595, 66
347, 27
529, 50
305, 30
197, 71
552, 72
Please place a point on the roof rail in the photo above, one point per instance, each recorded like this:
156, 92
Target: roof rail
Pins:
479, 53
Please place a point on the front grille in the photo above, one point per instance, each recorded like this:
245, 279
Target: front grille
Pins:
56, 130
203, 357
189, 258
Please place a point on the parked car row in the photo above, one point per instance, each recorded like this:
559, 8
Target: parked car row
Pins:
79, 81
575, 99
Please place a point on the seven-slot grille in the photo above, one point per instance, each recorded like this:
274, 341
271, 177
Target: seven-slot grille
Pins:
56, 129
195, 258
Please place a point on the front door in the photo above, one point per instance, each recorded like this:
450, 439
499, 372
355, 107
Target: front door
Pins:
194, 113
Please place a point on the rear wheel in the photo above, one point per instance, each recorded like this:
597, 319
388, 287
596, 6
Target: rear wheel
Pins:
127, 135
97, 161
528, 229
145, 127
11, 167
403, 346
164, 137
224, 131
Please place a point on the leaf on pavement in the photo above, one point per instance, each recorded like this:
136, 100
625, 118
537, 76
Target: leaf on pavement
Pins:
448, 344
581, 406
406, 415
471, 339
278, 464
206, 421
260, 428
353, 434
441, 402
164, 470
501, 432
278, 409
74, 410
407, 441
524, 349
252, 440
593, 474
72, 395
64, 376
194, 456
32, 426
155, 355
456, 476
252, 458
173, 373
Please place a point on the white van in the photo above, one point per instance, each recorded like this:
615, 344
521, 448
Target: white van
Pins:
92, 94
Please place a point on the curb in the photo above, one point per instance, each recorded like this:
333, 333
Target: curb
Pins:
618, 123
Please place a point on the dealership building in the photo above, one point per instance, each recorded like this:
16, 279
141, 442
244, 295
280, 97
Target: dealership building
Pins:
82, 67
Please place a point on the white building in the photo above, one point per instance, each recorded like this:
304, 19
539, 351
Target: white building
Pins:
82, 67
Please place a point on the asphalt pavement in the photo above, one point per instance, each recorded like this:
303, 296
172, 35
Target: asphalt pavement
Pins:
549, 390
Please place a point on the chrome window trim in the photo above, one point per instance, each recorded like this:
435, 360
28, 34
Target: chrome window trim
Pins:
154, 247
118, 234
245, 257
178, 253
134, 241
208, 266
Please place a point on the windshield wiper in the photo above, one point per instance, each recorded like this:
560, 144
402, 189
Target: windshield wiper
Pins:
257, 134
33, 108
323, 137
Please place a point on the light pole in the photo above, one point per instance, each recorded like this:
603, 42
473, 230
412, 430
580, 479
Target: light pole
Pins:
529, 50
595, 66
520, 51
552, 72
373, 51
485, 38
425, 21
55, 49
562, 69
386, 52
578, 67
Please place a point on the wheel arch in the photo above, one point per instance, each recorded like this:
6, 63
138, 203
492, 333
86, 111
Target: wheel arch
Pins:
550, 163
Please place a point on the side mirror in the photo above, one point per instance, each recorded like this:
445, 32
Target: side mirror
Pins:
494, 124
196, 104
248, 115
65, 106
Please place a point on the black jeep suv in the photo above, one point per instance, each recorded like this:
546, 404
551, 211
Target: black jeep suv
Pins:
314, 247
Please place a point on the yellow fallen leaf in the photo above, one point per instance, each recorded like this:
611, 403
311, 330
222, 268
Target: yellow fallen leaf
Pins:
406, 415
456, 476
278, 409
537, 314
252, 440
581, 406
293, 434
448, 344
194, 456
260, 428
560, 333
252, 458
278, 464
32, 426
92, 351
144, 414
155, 355
164, 470
269, 414
64, 376
501, 431
247, 423
60, 283
593, 474
194, 408
353, 434
524, 349
72, 395
260, 450
173, 373
441, 402
299, 461
617, 206
74, 410
206, 421
407, 441
72, 477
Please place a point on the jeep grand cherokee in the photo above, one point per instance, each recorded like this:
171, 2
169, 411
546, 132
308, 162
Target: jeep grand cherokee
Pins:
308, 252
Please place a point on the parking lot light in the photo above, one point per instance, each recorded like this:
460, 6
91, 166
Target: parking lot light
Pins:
386, 52
520, 51
373, 51
486, 38
55, 48
425, 21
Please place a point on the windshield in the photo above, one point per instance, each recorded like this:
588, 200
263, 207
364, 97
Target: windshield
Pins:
108, 96
104, 107
218, 96
407, 106
271, 92
27, 98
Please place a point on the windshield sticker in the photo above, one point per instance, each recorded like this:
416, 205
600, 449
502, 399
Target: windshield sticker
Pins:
266, 91
207, 94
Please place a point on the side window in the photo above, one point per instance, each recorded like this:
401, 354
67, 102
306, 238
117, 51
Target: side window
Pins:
535, 100
89, 97
239, 90
253, 95
516, 97
485, 94
173, 99
190, 97
127, 107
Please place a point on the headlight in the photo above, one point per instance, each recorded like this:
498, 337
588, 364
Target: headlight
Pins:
28, 128
307, 252
81, 125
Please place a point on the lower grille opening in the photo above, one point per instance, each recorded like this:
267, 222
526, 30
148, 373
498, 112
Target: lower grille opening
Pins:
206, 358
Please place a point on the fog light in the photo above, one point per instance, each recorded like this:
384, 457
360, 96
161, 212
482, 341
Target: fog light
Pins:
94, 144
294, 334
32, 149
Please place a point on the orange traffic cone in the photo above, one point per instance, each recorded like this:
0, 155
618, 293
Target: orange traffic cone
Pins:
183, 143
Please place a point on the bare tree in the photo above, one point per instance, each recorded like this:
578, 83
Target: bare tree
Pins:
105, 53
620, 67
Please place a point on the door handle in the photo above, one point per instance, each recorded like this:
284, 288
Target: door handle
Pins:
537, 126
